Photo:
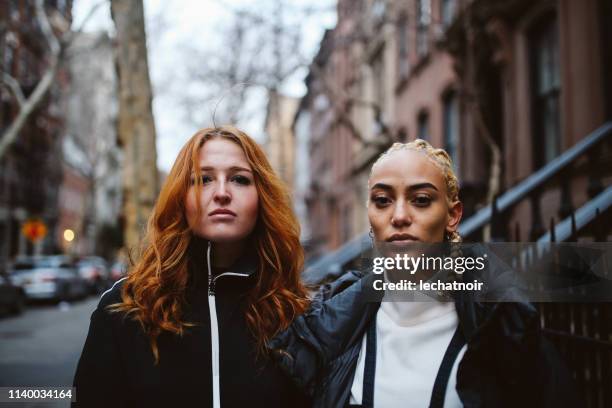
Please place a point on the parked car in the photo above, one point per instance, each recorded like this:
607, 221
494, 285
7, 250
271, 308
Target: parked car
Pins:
12, 297
118, 271
49, 278
95, 271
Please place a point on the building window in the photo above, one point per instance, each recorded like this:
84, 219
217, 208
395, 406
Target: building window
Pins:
423, 126
451, 127
448, 12
403, 49
423, 13
545, 90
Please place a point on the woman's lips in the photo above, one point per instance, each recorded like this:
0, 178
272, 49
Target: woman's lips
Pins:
402, 241
222, 214
402, 238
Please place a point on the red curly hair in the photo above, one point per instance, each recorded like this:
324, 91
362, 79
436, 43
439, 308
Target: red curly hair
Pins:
153, 292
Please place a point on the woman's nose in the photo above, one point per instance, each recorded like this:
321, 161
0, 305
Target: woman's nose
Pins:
222, 194
401, 215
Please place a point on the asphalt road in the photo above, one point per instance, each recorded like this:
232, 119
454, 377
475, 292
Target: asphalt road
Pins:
41, 347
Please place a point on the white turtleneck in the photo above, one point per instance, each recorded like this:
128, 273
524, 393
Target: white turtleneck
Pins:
411, 339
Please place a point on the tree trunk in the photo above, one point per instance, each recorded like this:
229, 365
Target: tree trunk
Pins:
136, 129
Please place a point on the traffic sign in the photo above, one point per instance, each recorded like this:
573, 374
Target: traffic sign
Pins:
34, 230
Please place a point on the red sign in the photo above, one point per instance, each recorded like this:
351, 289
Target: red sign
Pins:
34, 230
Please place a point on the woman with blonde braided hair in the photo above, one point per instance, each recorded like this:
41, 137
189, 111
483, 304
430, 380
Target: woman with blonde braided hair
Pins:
401, 161
361, 348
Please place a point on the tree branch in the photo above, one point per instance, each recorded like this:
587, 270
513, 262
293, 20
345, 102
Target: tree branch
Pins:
12, 84
45, 26
27, 106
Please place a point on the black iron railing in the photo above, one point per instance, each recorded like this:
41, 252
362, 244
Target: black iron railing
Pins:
558, 172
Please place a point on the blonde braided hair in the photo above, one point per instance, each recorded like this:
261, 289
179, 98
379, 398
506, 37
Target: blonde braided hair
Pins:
443, 161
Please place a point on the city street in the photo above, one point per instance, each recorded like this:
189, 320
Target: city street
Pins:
41, 347
304, 141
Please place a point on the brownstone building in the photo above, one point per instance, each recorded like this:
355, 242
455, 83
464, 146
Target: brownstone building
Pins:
537, 72
506, 87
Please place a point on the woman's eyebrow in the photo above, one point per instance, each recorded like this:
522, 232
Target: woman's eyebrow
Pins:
382, 186
233, 168
413, 187
420, 186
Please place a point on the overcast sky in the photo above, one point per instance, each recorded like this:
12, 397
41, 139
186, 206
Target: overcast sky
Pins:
171, 25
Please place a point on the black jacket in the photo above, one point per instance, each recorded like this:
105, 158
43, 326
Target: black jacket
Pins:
508, 363
116, 368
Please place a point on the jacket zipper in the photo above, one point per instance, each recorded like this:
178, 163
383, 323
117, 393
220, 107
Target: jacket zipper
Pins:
214, 327
214, 334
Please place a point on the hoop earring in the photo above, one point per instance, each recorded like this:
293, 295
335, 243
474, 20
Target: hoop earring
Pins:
371, 234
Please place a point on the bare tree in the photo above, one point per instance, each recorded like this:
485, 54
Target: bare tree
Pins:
57, 34
224, 78
257, 54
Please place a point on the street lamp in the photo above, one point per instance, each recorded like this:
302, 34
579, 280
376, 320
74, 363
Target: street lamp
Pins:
68, 235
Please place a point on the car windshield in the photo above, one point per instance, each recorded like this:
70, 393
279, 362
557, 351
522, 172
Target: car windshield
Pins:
40, 263
23, 266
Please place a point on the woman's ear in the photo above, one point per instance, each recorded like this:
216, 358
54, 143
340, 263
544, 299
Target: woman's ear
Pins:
455, 211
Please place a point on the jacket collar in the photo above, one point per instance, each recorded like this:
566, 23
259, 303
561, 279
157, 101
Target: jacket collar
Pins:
200, 252
246, 265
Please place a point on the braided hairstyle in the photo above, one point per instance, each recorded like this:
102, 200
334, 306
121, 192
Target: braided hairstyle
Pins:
443, 161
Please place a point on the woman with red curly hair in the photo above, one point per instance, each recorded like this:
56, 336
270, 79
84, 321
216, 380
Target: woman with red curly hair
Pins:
218, 277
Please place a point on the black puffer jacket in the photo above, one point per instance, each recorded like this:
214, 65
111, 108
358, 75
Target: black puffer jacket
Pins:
508, 363
116, 368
